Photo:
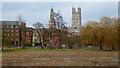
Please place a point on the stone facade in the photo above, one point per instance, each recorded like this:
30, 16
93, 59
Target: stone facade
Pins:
76, 21
36, 37
52, 23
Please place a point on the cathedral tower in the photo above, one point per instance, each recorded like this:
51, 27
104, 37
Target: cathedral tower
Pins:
52, 23
76, 20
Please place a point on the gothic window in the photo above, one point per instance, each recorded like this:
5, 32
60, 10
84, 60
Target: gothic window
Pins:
75, 27
76, 22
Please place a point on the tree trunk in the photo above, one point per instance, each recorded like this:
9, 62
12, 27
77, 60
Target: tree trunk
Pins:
101, 48
70, 47
23, 46
113, 47
42, 46
2, 49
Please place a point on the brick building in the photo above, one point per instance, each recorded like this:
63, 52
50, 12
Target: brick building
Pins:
52, 38
10, 33
26, 34
13, 33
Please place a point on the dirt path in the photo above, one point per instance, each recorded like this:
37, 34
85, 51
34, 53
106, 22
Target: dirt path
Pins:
60, 58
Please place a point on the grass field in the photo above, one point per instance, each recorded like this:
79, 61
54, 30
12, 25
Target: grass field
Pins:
59, 57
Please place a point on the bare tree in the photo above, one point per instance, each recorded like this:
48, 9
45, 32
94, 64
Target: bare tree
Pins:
21, 21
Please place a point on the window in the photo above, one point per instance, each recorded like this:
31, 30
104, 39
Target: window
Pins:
7, 26
17, 34
76, 22
3, 26
35, 40
75, 27
8, 34
16, 39
16, 30
74, 17
11, 34
27, 32
35, 35
7, 30
4, 34
16, 42
12, 26
24, 32
46, 40
4, 29
13, 42
11, 30
24, 36
16, 26
29, 40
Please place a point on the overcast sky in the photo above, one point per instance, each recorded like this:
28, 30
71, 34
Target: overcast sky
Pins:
39, 11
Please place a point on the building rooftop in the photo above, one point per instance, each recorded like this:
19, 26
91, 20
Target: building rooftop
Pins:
8, 23
28, 29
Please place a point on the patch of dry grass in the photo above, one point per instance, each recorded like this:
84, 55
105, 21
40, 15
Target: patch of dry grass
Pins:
60, 58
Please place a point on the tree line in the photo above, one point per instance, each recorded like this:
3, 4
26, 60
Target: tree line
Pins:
102, 33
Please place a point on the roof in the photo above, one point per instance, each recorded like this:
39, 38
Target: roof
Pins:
9, 23
28, 29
